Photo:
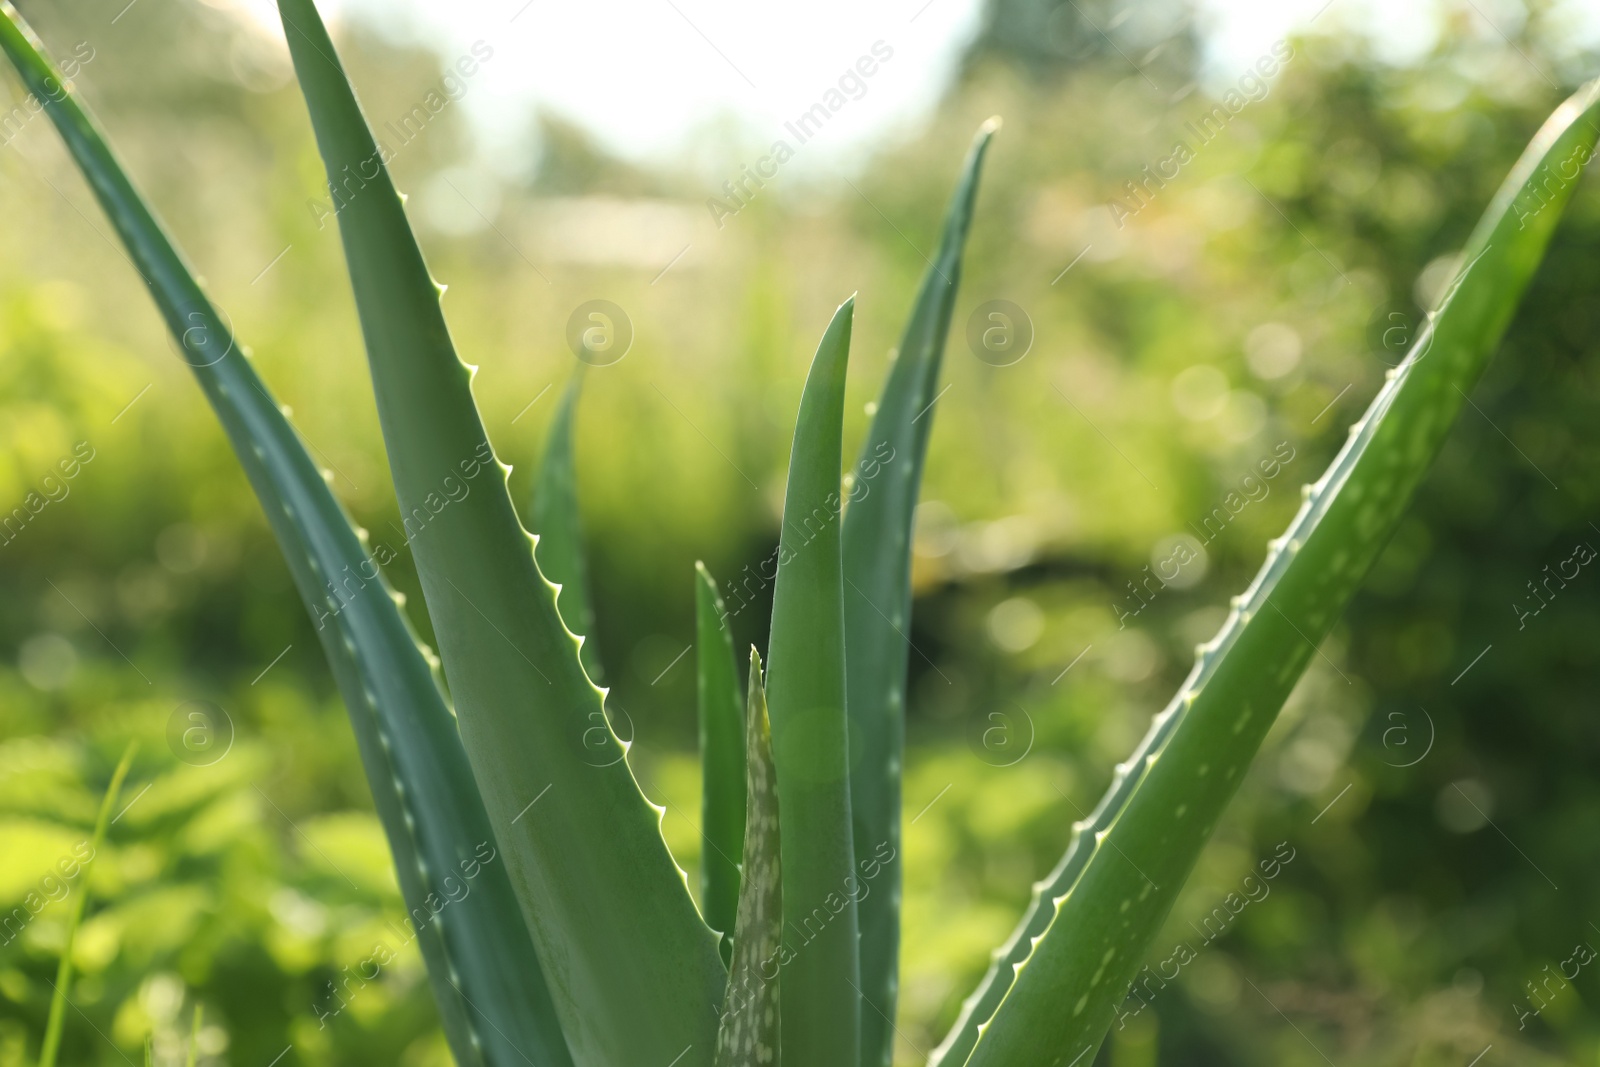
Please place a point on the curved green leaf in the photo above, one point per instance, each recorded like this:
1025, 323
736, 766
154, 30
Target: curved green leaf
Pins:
1093, 918
877, 606
751, 1012
486, 979
634, 971
555, 524
51, 1045
806, 697
722, 761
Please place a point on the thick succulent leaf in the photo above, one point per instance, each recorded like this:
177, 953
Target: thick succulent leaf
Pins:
751, 1013
806, 696
481, 964
877, 607
1094, 917
722, 761
634, 971
559, 532
51, 1046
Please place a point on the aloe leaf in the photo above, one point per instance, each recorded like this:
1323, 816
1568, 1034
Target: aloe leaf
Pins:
806, 698
556, 526
722, 761
58, 998
634, 971
751, 1013
877, 606
485, 977
1050, 996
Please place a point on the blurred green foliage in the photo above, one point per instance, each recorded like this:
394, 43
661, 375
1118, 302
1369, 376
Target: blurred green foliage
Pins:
1439, 804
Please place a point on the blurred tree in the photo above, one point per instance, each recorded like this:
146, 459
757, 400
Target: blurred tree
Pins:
1046, 39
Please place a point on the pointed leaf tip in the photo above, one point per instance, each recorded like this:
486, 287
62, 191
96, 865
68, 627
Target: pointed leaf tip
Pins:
877, 571
806, 702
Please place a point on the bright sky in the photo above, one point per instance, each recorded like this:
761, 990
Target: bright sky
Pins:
650, 77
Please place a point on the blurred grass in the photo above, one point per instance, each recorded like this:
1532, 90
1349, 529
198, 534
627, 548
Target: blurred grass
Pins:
1404, 930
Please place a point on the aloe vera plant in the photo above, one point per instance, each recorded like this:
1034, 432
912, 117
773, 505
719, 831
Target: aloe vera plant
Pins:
582, 944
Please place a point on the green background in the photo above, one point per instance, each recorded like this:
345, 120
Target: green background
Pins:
1442, 824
